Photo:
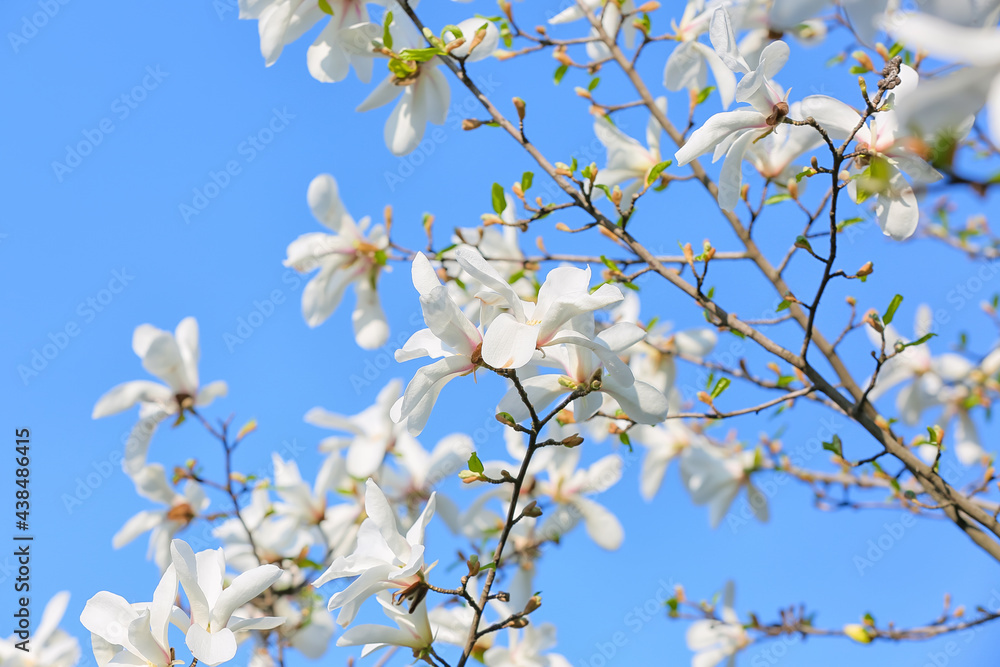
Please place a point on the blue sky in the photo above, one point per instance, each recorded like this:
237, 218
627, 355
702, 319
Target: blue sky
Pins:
170, 97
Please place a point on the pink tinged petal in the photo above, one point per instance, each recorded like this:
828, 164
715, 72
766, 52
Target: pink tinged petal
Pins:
371, 330
723, 39
422, 391
186, 565
127, 394
602, 526
716, 129
509, 343
424, 277
211, 648
731, 176
244, 588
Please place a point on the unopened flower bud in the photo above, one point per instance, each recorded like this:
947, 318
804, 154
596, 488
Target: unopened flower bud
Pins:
866, 270
474, 565
647, 7
519, 622
864, 60
532, 509
519, 105
468, 477
534, 602
572, 441
518, 192
858, 633
616, 196
470, 123
506, 419
851, 301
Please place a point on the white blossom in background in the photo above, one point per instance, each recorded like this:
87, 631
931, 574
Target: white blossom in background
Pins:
689, 62
173, 358
371, 433
731, 133
886, 142
611, 18
424, 95
947, 102
582, 368
525, 649
512, 336
627, 159
135, 634
49, 645
308, 626
716, 640
163, 524
774, 156
664, 443
275, 537
346, 257
281, 22
714, 476
413, 629
212, 634
449, 337
570, 487
384, 558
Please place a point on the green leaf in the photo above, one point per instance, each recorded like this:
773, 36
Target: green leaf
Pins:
920, 341
441, 252
324, 6
526, 179
703, 95
386, 35
785, 303
593, 83
891, 310
720, 387
836, 446
421, 55
560, 73
623, 438
475, 465
499, 201
895, 50
655, 172
858, 69
805, 173
774, 199
842, 225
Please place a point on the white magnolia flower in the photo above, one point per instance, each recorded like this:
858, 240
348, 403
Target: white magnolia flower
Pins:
212, 635
731, 133
449, 337
716, 640
172, 357
931, 380
134, 634
714, 476
179, 511
346, 257
281, 22
627, 159
863, 14
774, 155
424, 93
49, 646
663, 443
384, 559
524, 649
419, 471
569, 487
308, 628
946, 102
413, 631
373, 433
689, 62
884, 141
583, 369
512, 336
469, 28
275, 536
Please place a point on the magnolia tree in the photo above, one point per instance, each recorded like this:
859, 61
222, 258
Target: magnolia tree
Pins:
583, 369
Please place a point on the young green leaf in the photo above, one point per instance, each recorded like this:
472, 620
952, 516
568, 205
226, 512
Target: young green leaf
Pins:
891, 310
475, 465
499, 201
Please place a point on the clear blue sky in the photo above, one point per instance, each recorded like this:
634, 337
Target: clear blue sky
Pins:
175, 92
